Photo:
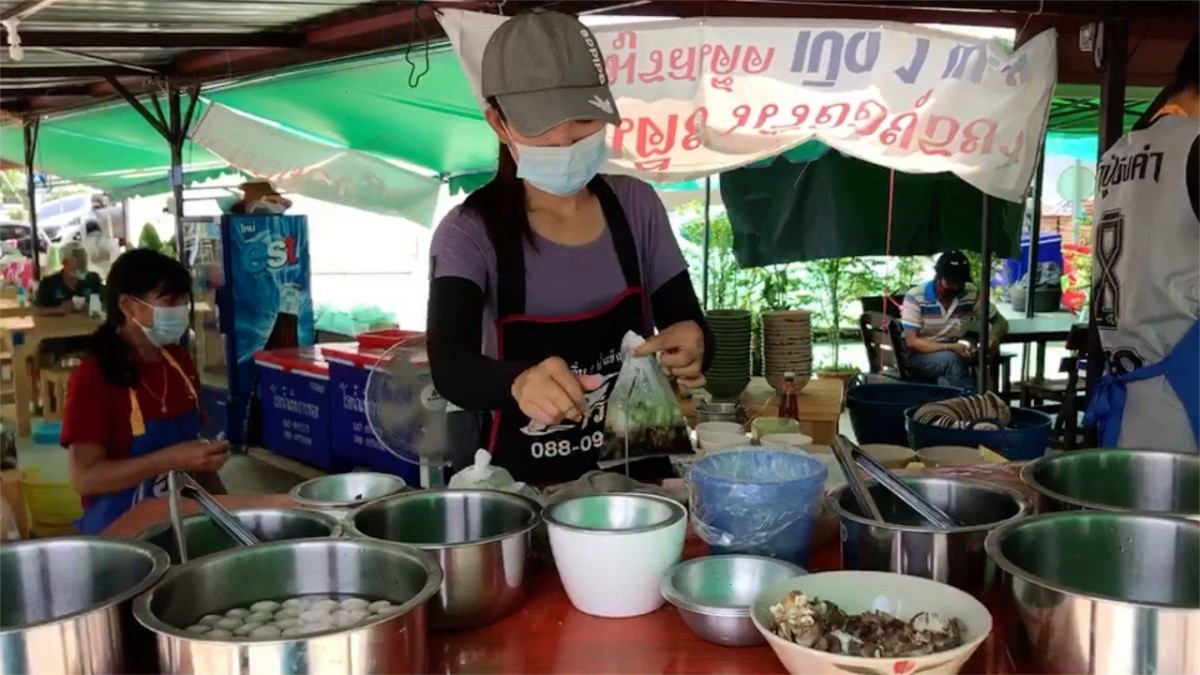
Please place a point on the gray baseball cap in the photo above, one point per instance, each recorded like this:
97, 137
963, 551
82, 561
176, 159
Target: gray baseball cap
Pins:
546, 68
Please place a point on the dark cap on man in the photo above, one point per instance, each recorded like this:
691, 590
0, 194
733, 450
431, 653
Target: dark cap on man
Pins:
953, 267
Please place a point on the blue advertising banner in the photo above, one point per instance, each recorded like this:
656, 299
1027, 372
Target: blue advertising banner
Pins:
268, 303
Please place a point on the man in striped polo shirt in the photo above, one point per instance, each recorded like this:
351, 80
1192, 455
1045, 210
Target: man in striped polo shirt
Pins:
936, 316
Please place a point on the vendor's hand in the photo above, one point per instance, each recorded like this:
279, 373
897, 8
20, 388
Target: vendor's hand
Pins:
681, 350
549, 392
197, 455
67, 307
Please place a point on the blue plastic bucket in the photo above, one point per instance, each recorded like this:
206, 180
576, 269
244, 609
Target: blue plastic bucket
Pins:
877, 410
1027, 436
762, 502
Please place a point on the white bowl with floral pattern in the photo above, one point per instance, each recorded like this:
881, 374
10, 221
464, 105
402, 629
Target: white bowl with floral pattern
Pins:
900, 595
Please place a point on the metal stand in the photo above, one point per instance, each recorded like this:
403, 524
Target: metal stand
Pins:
707, 241
985, 296
31, 127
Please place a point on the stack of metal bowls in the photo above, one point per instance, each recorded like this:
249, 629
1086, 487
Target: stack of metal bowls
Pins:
394, 643
340, 493
908, 544
1117, 480
481, 539
1103, 592
713, 594
204, 537
64, 605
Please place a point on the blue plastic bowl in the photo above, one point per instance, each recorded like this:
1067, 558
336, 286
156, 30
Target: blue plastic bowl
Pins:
47, 433
756, 501
877, 410
1027, 437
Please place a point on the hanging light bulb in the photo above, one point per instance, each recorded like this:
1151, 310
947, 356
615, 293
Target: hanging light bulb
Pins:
15, 52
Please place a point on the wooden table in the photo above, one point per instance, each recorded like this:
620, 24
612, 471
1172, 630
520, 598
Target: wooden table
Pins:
548, 635
820, 405
28, 333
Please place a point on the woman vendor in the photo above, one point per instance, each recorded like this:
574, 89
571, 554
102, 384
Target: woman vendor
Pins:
539, 274
133, 405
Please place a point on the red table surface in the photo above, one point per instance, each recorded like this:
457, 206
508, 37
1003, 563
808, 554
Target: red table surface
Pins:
548, 635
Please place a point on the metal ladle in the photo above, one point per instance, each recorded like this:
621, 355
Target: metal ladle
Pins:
181, 484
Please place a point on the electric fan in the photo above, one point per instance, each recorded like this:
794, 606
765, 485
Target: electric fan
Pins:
405, 412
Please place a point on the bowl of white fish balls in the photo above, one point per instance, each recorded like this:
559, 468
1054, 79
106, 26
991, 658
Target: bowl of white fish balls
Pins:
226, 607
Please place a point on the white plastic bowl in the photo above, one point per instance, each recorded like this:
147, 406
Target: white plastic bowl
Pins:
900, 595
718, 440
612, 550
786, 440
720, 427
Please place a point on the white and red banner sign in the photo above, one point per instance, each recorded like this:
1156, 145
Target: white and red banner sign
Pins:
699, 96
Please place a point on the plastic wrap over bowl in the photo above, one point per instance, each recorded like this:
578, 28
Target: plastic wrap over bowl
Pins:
757, 501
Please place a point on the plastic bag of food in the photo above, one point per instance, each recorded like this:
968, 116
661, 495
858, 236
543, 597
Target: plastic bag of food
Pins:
643, 418
483, 476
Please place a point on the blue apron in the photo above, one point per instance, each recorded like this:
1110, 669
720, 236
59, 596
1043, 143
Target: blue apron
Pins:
148, 437
1181, 368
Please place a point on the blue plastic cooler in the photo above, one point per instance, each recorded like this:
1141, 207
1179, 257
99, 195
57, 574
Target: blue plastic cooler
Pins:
296, 411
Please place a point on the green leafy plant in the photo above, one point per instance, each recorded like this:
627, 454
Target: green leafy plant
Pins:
149, 238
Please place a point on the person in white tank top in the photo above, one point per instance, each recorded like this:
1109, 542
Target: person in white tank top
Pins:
1146, 276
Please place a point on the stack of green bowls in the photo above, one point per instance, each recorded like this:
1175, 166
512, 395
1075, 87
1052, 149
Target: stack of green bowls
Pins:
730, 370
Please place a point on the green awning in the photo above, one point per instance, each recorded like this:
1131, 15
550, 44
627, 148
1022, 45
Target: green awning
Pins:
110, 148
367, 105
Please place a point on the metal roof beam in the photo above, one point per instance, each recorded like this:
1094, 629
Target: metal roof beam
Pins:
68, 39
25, 10
47, 72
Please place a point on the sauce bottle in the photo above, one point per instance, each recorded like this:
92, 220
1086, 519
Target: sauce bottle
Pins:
788, 408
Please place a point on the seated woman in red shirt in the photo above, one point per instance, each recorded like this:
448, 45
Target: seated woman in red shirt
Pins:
133, 406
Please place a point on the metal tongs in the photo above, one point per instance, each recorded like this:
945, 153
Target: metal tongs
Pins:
181, 484
848, 454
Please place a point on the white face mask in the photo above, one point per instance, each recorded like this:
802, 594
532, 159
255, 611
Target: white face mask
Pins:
170, 323
558, 170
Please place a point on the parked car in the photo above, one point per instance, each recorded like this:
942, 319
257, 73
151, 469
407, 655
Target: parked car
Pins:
66, 219
12, 231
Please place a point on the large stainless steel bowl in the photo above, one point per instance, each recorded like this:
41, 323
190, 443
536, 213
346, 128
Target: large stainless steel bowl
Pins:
240, 577
481, 539
1102, 592
909, 545
340, 493
1117, 480
713, 594
204, 537
64, 605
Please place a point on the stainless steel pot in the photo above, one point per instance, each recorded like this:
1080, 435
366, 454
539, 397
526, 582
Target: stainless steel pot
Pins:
64, 605
242, 576
1117, 480
718, 412
340, 493
204, 537
909, 545
481, 539
1100, 592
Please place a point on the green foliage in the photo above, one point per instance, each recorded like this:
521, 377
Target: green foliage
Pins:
829, 288
149, 238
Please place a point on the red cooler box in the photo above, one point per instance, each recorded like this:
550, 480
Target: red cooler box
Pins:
296, 412
354, 443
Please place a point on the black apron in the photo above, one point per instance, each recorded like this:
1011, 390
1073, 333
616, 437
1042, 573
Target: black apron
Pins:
590, 343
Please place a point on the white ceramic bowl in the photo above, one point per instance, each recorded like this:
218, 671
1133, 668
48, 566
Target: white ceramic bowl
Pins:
900, 595
612, 550
950, 455
720, 428
711, 441
891, 456
786, 440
